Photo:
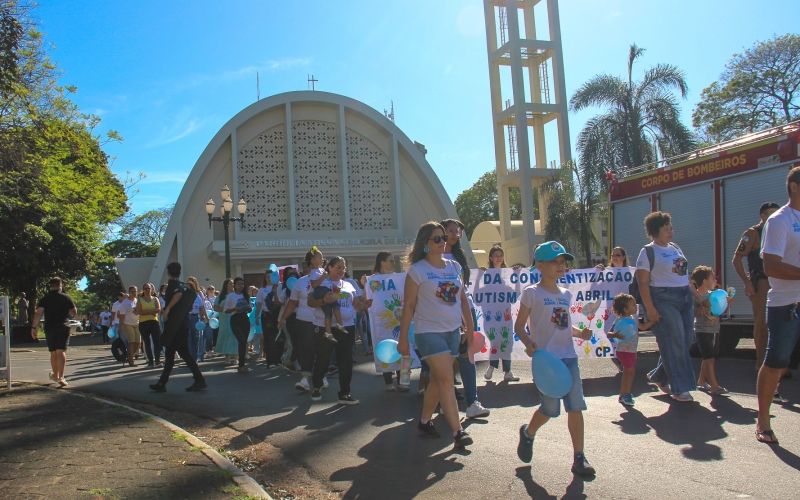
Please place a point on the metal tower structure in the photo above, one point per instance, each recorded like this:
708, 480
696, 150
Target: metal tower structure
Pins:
536, 97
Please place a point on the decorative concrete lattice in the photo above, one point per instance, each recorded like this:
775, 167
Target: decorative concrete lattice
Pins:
369, 188
316, 176
262, 182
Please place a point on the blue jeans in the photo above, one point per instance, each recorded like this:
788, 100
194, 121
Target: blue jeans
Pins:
784, 331
194, 338
674, 335
469, 378
494, 363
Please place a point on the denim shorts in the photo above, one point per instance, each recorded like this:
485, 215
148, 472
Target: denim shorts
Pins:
573, 400
432, 344
784, 331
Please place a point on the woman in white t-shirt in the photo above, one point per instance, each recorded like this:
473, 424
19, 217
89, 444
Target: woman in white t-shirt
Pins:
434, 298
667, 298
238, 305
130, 324
349, 302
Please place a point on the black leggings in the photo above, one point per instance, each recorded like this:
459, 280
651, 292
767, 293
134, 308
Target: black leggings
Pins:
240, 327
272, 349
344, 356
305, 345
150, 329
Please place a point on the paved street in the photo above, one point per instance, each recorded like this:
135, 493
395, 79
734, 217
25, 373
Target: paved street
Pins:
704, 449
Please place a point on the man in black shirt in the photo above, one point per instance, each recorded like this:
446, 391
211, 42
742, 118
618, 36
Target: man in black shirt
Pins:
179, 299
56, 307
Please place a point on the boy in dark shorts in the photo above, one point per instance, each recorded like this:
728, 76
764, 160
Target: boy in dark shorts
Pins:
706, 329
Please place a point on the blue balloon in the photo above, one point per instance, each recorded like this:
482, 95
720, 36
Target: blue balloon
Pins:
273, 268
627, 327
274, 278
213, 323
290, 283
386, 351
550, 374
411, 337
200, 326
111, 333
719, 302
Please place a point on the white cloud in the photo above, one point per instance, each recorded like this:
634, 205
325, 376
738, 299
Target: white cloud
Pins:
183, 125
164, 177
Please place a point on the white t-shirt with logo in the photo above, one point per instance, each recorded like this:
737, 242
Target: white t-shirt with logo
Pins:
127, 308
781, 237
346, 296
261, 295
449, 256
199, 302
671, 269
549, 323
438, 307
300, 292
234, 300
105, 318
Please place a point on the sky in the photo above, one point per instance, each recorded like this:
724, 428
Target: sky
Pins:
168, 75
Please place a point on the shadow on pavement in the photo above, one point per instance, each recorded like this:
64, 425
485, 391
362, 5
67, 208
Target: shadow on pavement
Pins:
382, 455
574, 490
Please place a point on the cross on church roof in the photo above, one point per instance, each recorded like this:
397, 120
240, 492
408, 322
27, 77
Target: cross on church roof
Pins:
312, 81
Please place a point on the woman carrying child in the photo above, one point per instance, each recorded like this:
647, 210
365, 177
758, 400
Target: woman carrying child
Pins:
318, 275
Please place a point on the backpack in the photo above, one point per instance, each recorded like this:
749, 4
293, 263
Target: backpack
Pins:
633, 288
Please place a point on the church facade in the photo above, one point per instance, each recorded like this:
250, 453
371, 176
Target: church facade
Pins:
315, 169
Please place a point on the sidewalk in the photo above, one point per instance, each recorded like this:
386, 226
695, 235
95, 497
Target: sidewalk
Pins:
63, 446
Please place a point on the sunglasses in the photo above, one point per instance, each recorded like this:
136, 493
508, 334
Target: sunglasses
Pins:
439, 239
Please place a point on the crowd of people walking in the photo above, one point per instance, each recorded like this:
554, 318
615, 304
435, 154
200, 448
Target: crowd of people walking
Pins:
308, 320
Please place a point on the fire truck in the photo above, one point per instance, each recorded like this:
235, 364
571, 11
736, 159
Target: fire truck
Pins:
713, 195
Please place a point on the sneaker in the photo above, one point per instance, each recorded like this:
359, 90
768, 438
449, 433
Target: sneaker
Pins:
489, 373
243, 369
158, 387
325, 383
510, 377
402, 388
63, 382
626, 399
525, 446
428, 430
347, 400
581, 466
333, 370
53, 377
391, 388
197, 386
462, 439
777, 398
684, 396
476, 409
303, 385
316, 395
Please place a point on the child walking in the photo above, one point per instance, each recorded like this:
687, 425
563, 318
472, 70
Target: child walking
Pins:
706, 329
545, 308
317, 276
624, 306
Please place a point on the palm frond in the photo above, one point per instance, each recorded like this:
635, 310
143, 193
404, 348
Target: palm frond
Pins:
602, 90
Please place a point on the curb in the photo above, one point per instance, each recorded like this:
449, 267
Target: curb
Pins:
248, 484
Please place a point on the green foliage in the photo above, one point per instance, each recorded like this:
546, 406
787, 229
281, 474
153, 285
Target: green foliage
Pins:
480, 203
641, 123
575, 205
149, 227
57, 192
757, 90
102, 278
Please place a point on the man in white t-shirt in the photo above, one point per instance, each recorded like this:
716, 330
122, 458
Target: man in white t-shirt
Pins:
780, 250
105, 323
115, 308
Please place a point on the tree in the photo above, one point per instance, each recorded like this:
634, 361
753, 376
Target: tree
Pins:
480, 203
575, 205
641, 123
103, 279
758, 89
149, 227
56, 190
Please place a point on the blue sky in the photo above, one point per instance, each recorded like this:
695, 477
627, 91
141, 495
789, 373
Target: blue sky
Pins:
167, 75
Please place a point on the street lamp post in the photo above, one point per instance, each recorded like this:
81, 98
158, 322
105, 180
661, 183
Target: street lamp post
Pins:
226, 219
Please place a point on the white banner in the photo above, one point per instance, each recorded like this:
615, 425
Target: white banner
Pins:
386, 292
496, 293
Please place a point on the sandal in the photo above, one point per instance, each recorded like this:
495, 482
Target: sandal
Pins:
719, 390
704, 387
766, 436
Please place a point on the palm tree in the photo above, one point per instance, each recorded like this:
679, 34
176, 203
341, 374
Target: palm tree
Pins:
641, 123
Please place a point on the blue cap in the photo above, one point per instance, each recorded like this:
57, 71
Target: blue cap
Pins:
549, 250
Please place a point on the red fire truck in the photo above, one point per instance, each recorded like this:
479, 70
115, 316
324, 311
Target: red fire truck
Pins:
713, 195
